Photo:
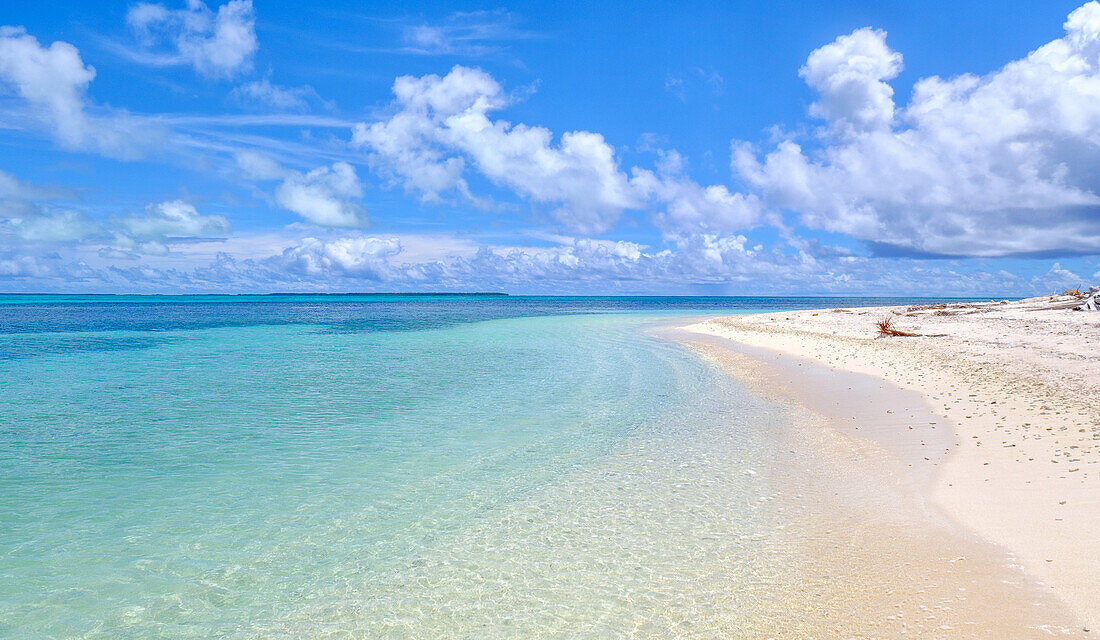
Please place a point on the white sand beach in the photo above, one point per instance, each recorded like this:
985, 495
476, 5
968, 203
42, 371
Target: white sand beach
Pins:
1007, 435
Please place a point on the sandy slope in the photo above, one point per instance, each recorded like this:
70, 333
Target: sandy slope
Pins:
1019, 383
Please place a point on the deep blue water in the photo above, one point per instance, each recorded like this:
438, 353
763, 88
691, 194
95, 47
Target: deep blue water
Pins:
355, 312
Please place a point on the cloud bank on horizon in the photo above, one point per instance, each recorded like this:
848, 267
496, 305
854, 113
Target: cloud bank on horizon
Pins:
977, 183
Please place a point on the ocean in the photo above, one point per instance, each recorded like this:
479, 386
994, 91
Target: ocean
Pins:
382, 466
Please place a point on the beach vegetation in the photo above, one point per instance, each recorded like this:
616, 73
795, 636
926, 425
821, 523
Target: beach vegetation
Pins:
886, 328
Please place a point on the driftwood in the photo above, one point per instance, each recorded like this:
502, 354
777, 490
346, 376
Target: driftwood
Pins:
1091, 303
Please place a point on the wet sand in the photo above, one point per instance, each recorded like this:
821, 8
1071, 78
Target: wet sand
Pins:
956, 471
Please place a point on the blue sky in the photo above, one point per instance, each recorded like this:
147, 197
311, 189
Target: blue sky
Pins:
708, 148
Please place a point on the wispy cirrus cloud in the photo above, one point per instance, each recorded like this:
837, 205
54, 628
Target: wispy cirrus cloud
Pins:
680, 84
470, 34
263, 94
467, 34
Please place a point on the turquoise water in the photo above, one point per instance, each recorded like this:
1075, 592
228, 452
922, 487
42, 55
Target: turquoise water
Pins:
373, 467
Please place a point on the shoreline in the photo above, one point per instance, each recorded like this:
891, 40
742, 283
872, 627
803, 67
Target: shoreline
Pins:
1009, 454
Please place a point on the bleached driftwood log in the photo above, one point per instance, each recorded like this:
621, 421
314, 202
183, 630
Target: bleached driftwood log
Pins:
1092, 300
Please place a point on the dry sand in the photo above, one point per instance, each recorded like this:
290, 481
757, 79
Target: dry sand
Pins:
1006, 443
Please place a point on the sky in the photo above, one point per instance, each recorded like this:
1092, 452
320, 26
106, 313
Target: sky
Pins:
739, 148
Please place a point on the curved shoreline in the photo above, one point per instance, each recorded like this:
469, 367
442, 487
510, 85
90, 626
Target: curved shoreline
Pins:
1004, 473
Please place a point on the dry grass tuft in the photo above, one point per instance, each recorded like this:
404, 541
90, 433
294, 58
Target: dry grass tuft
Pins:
886, 328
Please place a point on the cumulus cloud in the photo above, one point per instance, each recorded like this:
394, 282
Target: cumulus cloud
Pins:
408, 147
443, 123
363, 257
27, 266
1001, 164
994, 165
342, 261
53, 81
578, 260
688, 207
442, 126
704, 262
53, 78
217, 44
30, 216
1064, 275
174, 218
569, 263
324, 196
384, 259
150, 234
55, 226
849, 76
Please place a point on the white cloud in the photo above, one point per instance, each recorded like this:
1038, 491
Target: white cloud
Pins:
364, 257
690, 208
31, 214
328, 261
57, 226
174, 218
217, 45
133, 236
54, 81
427, 38
264, 93
468, 33
324, 196
1002, 164
406, 147
53, 78
14, 189
22, 213
695, 79
442, 123
849, 76
572, 261
1064, 275
442, 127
124, 246
582, 264
25, 266
257, 166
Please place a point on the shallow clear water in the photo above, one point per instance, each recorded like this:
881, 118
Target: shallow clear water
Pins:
304, 466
